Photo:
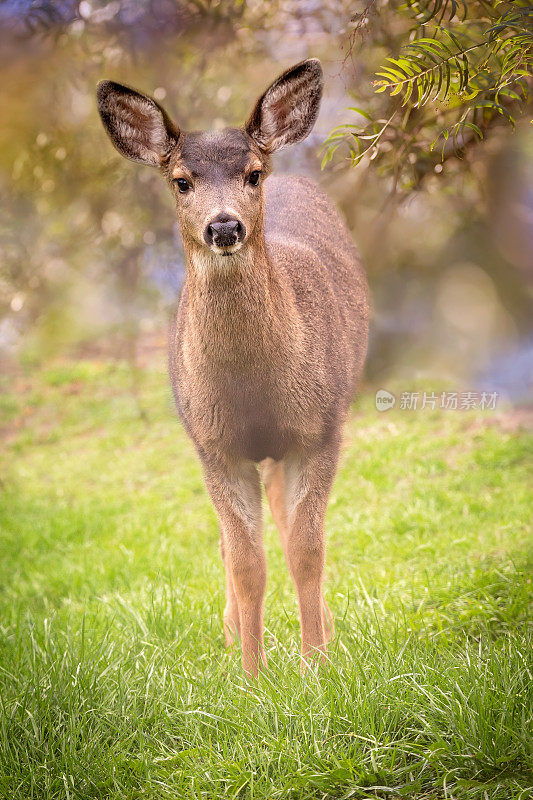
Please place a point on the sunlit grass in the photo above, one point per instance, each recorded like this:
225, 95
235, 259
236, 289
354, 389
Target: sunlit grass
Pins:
114, 682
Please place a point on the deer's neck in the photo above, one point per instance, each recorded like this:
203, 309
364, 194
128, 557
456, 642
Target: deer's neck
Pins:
236, 306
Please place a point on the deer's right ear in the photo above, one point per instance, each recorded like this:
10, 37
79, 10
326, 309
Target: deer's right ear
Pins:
138, 127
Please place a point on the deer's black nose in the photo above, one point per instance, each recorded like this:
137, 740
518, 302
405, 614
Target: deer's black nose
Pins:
224, 231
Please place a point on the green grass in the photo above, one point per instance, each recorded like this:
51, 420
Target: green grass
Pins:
114, 682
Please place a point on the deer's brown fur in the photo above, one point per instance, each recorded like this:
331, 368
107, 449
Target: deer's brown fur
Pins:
268, 342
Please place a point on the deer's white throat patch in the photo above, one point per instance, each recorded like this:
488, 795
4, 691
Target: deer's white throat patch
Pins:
216, 260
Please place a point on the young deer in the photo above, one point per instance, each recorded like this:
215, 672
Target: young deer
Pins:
269, 339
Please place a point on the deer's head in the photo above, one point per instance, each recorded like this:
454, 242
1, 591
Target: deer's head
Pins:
216, 177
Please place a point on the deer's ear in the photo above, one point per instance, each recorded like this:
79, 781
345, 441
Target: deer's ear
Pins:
138, 127
287, 111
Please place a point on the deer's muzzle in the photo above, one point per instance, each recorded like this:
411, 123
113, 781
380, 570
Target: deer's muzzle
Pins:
224, 231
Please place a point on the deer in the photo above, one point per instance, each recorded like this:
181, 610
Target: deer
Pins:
269, 339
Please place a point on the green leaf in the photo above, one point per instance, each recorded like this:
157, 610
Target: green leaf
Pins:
360, 111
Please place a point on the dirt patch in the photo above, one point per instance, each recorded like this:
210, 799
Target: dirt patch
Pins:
144, 350
513, 420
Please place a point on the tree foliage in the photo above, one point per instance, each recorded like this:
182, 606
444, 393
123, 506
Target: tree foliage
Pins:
460, 69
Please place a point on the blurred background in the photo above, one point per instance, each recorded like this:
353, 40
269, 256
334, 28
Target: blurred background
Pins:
90, 257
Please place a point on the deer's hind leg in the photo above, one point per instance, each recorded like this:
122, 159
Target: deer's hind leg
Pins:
273, 477
232, 625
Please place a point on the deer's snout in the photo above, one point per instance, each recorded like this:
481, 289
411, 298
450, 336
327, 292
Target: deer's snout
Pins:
224, 231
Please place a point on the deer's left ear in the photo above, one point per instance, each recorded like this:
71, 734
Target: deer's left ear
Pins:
288, 109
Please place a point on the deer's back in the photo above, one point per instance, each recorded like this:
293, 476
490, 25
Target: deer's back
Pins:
307, 238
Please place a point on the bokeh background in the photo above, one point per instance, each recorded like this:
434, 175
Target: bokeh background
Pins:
90, 255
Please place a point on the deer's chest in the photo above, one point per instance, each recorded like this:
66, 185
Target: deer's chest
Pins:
242, 417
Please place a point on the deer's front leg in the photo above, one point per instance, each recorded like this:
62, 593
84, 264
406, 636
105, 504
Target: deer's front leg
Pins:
236, 494
273, 476
308, 485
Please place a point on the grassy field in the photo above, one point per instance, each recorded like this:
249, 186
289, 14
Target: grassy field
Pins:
114, 682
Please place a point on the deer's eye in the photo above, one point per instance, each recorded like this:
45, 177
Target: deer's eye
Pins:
183, 185
253, 177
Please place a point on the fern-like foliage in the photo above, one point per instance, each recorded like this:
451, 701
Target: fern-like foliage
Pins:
462, 67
